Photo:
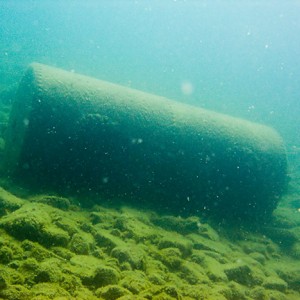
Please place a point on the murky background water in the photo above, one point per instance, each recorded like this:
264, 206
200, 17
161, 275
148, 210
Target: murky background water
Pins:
236, 57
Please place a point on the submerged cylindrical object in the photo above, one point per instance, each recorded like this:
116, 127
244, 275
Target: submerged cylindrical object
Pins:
69, 132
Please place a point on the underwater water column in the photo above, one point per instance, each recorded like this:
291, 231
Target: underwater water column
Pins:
75, 134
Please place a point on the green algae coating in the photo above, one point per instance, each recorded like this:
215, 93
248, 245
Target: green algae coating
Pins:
32, 221
73, 133
108, 257
8, 202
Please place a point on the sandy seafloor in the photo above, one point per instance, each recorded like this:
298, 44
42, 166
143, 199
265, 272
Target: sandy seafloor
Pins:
52, 248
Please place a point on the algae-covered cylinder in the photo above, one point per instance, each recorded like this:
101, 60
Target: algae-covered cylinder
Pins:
75, 134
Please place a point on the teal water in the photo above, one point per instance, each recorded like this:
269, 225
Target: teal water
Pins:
237, 57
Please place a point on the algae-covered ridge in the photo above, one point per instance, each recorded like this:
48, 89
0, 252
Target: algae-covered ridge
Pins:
51, 248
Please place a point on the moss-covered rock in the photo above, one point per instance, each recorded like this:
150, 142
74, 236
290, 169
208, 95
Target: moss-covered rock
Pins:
162, 296
275, 283
29, 268
112, 292
204, 292
63, 253
104, 275
33, 222
82, 243
54, 201
295, 250
83, 293
172, 291
84, 266
16, 292
290, 273
49, 271
35, 250
3, 283
235, 291
6, 254
54, 236
106, 240
258, 245
172, 258
135, 281
132, 254
156, 271
202, 243
12, 276
93, 271
9, 202
132, 297
258, 257
286, 217
259, 293
103, 216
49, 291
214, 269
135, 227
192, 273
176, 241
208, 232
240, 273
180, 225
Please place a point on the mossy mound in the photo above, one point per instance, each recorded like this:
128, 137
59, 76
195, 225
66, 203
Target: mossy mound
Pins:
9, 202
35, 222
52, 249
